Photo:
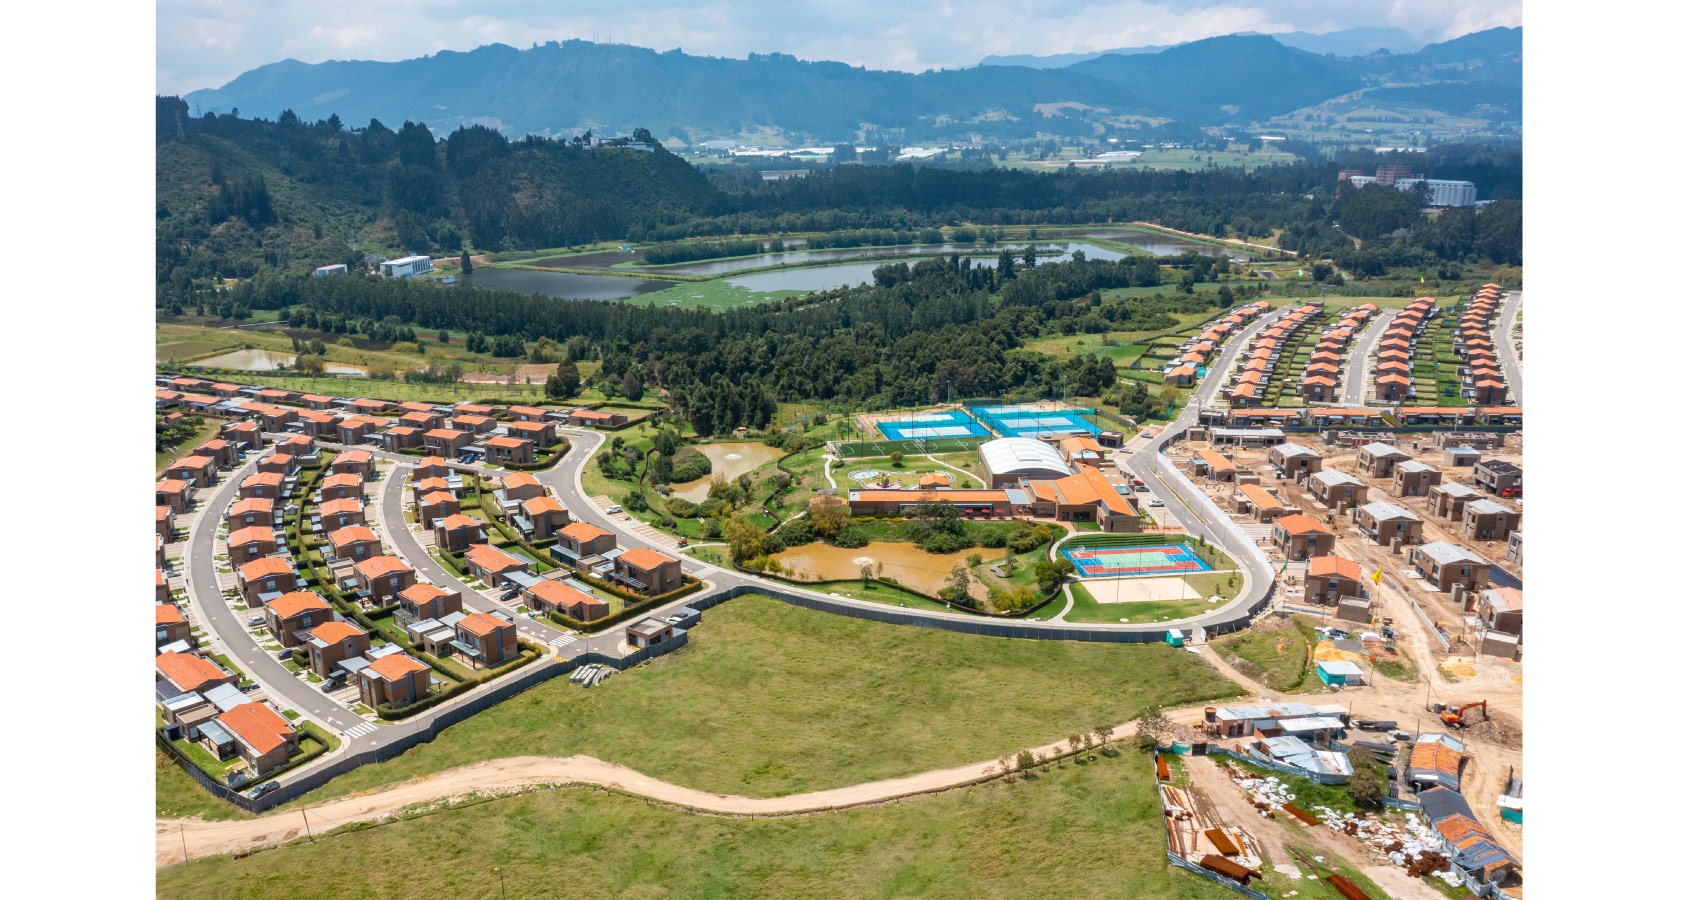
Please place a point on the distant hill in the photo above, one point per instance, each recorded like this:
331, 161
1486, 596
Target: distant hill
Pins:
1361, 41
560, 89
1254, 75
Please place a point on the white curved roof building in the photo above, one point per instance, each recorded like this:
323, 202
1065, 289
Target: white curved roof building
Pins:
1008, 459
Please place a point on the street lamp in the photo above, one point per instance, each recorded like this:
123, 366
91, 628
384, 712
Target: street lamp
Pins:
502, 879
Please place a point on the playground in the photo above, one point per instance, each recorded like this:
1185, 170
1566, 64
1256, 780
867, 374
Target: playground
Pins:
1116, 562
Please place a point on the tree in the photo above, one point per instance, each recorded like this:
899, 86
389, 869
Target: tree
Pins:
466, 263
1075, 743
1364, 785
897, 459
1030, 255
744, 537
443, 337
631, 387
1104, 733
867, 570
564, 383
1152, 728
828, 520
1025, 760
959, 586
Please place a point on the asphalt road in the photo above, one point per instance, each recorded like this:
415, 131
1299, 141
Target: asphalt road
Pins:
1362, 359
1508, 349
1185, 502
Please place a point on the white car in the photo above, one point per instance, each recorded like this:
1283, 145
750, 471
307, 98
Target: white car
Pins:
614, 510
1155, 501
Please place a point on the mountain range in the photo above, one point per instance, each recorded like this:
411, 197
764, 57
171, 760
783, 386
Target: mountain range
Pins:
563, 88
1360, 41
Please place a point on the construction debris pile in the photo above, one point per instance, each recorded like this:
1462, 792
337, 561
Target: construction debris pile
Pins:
1197, 831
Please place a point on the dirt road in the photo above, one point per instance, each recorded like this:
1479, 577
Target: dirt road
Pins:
507, 775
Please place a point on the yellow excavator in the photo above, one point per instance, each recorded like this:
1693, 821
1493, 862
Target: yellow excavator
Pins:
1455, 715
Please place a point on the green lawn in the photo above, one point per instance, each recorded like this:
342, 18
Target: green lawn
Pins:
1279, 652
772, 699
716, 295
1086, 609
1088, 830
176, 795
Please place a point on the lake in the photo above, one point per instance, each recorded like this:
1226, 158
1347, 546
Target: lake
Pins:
820, 278
729, 460
794, 257
1164, 244
254, 359
563, 285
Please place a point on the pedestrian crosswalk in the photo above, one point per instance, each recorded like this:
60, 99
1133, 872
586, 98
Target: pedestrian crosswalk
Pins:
361, 729
563, 641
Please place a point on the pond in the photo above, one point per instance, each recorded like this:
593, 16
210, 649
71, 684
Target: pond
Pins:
255, 359
821, 278
907, 563
795, 257
729, 460
1164, 244
563, 285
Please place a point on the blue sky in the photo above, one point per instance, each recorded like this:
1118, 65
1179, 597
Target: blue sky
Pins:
204, 43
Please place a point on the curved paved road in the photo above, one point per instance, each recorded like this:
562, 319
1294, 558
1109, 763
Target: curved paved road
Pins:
1186, 503
1359, 364
1507, 348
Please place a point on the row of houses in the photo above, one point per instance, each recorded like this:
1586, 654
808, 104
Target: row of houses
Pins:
1256, 365
1398, 345
1351, 417
1483, 381
1322, 376
1191, 361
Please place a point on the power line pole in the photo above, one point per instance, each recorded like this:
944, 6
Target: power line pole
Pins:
306, 825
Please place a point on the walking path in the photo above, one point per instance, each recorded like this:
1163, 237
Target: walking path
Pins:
500, 776
947, 465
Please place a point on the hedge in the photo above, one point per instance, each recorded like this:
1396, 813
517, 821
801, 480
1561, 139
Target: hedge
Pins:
528, 653
633, 608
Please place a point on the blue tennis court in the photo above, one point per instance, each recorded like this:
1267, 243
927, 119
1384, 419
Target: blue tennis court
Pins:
1110, 562
954, 423
1026, 421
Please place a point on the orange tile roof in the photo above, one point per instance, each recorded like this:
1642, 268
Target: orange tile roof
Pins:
428, 485
560, 593
313, 415
341, 479
433, 462
1261, 498
424, 592
254, 534
456, 522
401, 432
1215, 460
351, 534
192, 462
416, 406
395, 666
315, 398
645, 558
419, 417
583, 532
491, 559
539, 505
444, 434
518, 479
1338, 566
525, 411
295, 603
170, 486
162, 513
187, 670
258, 726
379, 566
335, 630
339, 505
438, 497
352, 456
167, 614
1301, 525
943, 495
259, 479
472, 420
933, 479
482, 623
264, 566
507, 443
596, 414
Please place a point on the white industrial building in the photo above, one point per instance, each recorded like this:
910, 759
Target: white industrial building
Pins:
338, 269
1443, 192
405, 267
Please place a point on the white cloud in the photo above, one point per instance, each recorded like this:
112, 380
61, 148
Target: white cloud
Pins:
204, 43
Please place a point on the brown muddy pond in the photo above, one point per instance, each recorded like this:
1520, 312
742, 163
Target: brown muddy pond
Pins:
907, 563
729, 460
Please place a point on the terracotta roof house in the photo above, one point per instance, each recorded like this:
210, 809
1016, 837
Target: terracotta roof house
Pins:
439, 505
289, 617
333, 642
265, 579
458, 532
482, 639
341, 513
645, 571
424, 600
383, 577
251, 543
1329, 578
489, 565
1301, 537
538, 518
553, 594
334, 487
394, 680
190, 673
356, 542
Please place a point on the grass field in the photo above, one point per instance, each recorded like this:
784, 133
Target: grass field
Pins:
716, 295
208, 429
176, 795
1277, 653
1093, 829
771, 699
862, 449
1086, 609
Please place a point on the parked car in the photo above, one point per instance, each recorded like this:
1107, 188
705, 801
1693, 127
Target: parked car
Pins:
329, 685
1155, 501
263, 790
511, 593
285, 653
614, 510
256, 621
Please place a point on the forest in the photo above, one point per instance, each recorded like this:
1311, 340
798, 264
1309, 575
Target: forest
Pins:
926, 331
236, 196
